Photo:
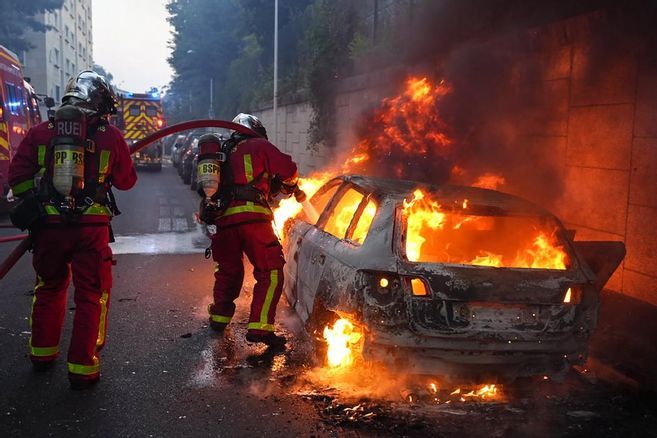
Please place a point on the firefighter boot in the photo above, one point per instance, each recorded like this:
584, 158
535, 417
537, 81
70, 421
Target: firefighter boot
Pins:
270, 338
218, 327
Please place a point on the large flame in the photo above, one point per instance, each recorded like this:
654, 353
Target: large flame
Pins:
424, 217
407, 126
341, 340
289, 208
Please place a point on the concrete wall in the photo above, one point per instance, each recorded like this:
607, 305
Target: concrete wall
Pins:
293, 123
604, 115
601, 129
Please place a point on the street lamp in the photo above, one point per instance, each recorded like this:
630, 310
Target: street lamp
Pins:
275, 105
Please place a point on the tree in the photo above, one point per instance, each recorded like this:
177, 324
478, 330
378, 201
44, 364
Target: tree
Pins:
18, 16
231, 42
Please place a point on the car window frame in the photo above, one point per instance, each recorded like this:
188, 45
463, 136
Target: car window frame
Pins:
325, 188
356, 218
321, 223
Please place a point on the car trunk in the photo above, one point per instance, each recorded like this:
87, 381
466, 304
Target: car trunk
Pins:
488, 302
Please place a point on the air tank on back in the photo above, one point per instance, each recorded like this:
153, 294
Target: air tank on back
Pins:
209, 164
68, 150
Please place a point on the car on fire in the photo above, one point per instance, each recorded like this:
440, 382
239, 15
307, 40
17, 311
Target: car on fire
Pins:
454, 281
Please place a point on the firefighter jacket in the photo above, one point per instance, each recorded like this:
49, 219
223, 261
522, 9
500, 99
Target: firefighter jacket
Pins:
108, 164
255, 161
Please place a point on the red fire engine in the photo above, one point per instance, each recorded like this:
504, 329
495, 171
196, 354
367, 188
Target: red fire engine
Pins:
19, 111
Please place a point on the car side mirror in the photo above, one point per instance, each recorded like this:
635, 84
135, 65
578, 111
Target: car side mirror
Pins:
49, 102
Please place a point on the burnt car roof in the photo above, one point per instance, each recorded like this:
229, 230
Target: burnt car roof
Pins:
493, 201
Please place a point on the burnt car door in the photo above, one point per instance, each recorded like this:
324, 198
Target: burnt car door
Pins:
295, 241
323, 263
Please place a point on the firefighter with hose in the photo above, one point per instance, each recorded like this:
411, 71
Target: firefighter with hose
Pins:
237, 178
63, 172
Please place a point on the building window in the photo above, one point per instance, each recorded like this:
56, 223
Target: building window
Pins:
57, 93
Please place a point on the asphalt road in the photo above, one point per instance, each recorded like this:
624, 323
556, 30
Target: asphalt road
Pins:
165, 374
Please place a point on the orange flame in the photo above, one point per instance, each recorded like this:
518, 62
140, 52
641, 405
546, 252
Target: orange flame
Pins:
341, 339
424, 217
289, 208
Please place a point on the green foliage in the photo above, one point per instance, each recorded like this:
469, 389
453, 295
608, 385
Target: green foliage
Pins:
330, 30
18, 16
232, 42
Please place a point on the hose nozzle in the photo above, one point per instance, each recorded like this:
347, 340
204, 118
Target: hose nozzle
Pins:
300, 195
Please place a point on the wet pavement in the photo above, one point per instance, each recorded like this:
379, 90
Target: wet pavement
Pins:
165, 373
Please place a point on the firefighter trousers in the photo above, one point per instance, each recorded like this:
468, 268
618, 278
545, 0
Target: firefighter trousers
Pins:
261, 246
84, 252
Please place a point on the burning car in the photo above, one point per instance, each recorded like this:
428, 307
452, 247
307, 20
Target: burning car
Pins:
455, 281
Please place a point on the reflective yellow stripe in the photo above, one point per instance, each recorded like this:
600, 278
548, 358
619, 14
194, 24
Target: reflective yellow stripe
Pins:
248, 168
44, 351
104, 165
40, 351
23, 187
41, 155
250, 207
273, 283
222, 319
51, 211
39, 285
103, 318
97, 210
260, 326
85, 370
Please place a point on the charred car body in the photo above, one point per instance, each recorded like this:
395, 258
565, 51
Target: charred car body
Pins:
448, 310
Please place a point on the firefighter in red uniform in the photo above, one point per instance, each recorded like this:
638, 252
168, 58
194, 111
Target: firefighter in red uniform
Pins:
63, 171
241, 212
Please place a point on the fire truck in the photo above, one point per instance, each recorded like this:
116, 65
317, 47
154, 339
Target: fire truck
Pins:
19, 111
139, 115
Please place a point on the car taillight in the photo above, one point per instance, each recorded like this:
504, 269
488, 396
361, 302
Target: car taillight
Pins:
573, 295
419, 287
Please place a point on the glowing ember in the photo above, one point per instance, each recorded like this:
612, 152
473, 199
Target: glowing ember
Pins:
489, 181
341, 340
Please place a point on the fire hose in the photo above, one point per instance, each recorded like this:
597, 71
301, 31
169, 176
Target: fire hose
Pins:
26, 243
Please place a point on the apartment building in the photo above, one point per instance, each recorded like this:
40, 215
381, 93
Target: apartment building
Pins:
63, 50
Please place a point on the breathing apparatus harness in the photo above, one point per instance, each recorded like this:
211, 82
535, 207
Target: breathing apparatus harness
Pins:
63, 184
217, 201
67, 189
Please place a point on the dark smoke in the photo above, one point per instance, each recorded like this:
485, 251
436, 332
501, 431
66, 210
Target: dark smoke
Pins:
508, 111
